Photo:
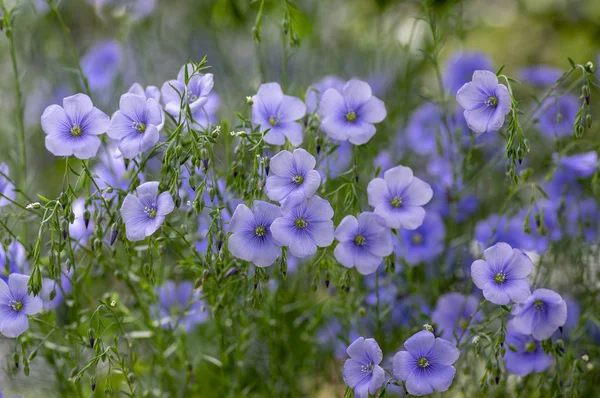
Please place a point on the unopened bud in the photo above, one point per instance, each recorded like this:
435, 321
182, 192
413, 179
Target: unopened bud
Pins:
249, 100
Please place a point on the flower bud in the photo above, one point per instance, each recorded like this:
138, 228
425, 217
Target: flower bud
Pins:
249, 100
428, 327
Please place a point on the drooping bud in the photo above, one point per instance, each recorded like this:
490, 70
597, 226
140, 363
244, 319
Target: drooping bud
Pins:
114, 233
231, 271
86, 218
91, 336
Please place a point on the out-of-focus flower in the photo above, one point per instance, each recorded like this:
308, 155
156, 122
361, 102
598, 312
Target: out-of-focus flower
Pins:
73, 129
7, 188
16, 304
524, 354
195, 94
423, 244
145, 213
461, 66
13, 259
276, 112
350, 114
363, 242
316, 91
101, 64
331, 165
540, 315
452, 313
292, 173
180, 305
582, 220
304, 225
541, 76
111, 170
426, 365
557, 116
251, 237
81, 228
581, 165
134, 9
486, 103
362, 371
399, 196
135, 124
502, 275
60, 290
499, 228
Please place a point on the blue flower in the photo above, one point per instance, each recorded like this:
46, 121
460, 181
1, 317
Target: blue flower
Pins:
350, 114
304, 225
101, 64
423, 244
292, 173
135, 124
60, 288
502, 275
461, 66
557, 116
426, 365
145, 213
399, 196
362, 371
498, 228
195, 93
73, 129
540, 315
148, 92
316, 91
13, 259
251, 237
524, 354
7, 188
383, 161
580, 165
179, 305
276, 112
581, 220
541, 76
15, 304
486, 102
363, 242
425, 127
452, 313
111, 171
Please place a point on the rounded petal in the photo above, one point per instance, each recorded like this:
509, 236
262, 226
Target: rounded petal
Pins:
356, 92
377, 379
291, 109
311, 183
242, 219
302, 245
13, 324
17, 284
519, 265
148, 188
470, 97
344, 254
403, 365
55, 121
282, 230
347, 229
266, 255
154, 112
359, 132
480, 272
498, 255
353, 374
418, 385
441, 378
171, 92
358, 350
518, 290
130, 208
274, 136
377, 191
488, 81
373, 111
164, 204
407, 217
495, 293
332, 103
417, 193
77, 107
120, 126
270, 94
32, 305
303, 160
479, 118
86, 147
334, 128
444, 352
278, 188
373, 351
397, 178
282, 163
238, 245
293, 132
322, 233
319, 209
420, 343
